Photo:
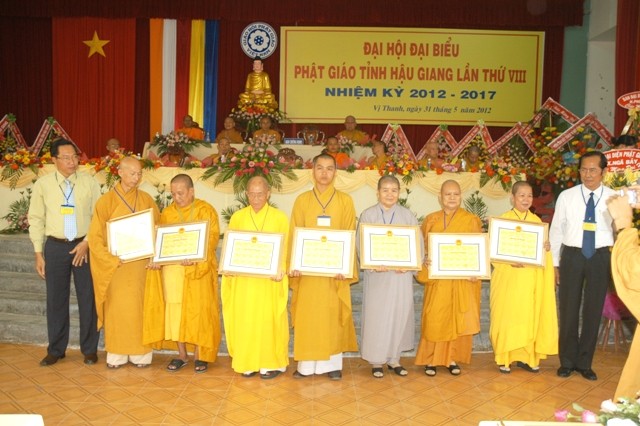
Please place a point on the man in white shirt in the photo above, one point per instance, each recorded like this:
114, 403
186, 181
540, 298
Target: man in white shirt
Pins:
581, 236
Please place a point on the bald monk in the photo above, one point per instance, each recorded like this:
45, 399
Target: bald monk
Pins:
351, 133
191, 128
119, 287
451, 307
181, 300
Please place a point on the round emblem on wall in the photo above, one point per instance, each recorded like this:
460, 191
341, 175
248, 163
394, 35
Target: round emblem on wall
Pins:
259, 39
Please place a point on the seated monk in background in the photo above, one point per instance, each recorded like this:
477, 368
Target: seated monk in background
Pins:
229, 132
191, 129
431, 161
257, 89
350, 132
224, 150
471, 161
380, 157
332, 147
266, 133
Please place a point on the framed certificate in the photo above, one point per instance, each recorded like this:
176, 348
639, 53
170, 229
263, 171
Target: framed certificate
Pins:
391, 246
131, 237
184, 241
323, 252
458, 256
514, 241
253, 254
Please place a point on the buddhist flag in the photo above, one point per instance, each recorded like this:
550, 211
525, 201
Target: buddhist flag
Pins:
94, 79
183, 73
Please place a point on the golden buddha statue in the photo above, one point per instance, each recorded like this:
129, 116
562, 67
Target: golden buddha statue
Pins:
257, 89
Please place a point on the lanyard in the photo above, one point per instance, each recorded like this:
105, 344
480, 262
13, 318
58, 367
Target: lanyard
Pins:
66, 197
324, 207
263, 222
133, 209
392, 216
444, 218
585, 200
518, 216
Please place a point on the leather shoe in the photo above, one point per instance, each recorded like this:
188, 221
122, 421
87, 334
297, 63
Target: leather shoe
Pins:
587, 373
335, 375
91, 359
564, 371
50, 360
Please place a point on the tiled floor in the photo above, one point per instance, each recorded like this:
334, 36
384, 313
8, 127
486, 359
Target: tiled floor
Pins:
71, 393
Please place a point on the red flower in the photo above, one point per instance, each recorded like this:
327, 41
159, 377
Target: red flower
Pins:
506, 178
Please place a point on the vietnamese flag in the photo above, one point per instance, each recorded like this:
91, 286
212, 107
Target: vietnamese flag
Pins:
94, 80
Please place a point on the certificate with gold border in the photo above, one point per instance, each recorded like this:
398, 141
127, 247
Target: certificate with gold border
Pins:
131, 237
458, 256
323, 252
184, 241
252, 254
394, 247
515, 241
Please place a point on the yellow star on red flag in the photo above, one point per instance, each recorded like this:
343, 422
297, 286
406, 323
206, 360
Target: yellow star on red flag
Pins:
95, 45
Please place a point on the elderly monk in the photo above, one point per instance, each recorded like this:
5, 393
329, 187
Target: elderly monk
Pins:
119, 286
432, 159
181, 300
351, 133
451, 308
255, 308
113, 146
626, 269
191, 128
224, 151
265, 133
380, 158
321, 306
229, 132
257, 89
471, 161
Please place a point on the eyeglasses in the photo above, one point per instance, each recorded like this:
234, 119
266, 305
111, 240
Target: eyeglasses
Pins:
591, 171
68, 157
256, 194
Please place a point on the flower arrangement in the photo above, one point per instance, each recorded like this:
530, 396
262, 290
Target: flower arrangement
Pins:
500, 170
14, 163
111, 162
175, 143
257, 159
398, 162
7, 144
248, 116
624, 412
621, 179
346, 145
18, 214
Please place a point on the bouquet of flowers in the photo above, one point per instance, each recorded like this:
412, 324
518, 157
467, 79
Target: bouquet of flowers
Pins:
18, 214
498, 169
111, 162
346, 145
398, 162
14, 163
257, 159
624, 412
621, 179
174, 143
248, 116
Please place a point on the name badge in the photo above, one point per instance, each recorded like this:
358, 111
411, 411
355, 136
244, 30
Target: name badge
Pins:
66, 209
324, 221
589, 226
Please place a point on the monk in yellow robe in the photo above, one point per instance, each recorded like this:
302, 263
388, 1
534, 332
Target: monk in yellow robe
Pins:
626, 269
265, 133
257, 89
451, 307
191, 129
524, 319
351, 133
229, 132
181, 300
332, 148
118, 286
255, 309
321, 306
380, 158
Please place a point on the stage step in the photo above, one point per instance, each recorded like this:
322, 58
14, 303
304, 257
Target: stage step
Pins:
23, 301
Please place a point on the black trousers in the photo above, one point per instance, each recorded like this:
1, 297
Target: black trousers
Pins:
582, 281
58, 270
